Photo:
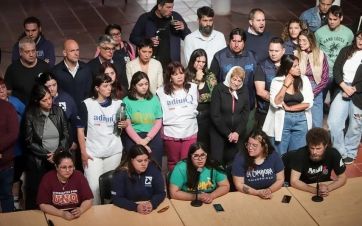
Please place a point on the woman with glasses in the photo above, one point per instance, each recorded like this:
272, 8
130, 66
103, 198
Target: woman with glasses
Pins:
197, 173
46, 130
137, 184
64, 192
258, 169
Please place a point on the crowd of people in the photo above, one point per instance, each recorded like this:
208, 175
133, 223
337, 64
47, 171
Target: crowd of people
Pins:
244, 114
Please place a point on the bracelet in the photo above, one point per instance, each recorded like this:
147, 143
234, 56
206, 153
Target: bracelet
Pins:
286, 86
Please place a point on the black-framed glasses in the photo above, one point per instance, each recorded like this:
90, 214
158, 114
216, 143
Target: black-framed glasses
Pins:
199, 156
108, 48
248, 145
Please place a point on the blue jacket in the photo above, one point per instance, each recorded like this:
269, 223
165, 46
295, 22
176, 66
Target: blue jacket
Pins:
312, 18
146, 27
77, 87
289, 46
265, 71
225, 59
129, 189
44, 50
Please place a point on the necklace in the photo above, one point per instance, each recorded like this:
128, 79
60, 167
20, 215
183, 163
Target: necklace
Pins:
62, 183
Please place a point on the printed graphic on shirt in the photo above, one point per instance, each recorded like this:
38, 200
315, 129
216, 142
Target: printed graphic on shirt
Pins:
103, 119
322, 169
143, 118
65, 197
260, 175
148, 181
203, 185
177, 102
63, 105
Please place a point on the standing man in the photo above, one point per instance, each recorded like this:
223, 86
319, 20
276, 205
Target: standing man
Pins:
316, 17
257, 39
331, 38
315, 162
44, 48
9, 131
73, 76
165, 28
106, 47
265, 72
206, 37
21, 74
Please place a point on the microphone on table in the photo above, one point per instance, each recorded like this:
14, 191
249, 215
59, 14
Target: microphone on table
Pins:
318, 197
196, 202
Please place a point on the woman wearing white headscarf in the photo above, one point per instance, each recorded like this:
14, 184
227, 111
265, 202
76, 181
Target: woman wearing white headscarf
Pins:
229, 115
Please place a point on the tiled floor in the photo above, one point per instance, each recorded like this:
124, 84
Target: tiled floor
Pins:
84, 20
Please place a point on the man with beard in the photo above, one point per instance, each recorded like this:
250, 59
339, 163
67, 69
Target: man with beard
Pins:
165, 28
206, 37
265, 72
257, 39
315, 162
44, 48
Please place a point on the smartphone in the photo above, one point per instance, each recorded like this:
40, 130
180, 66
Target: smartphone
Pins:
218, 207
286, 198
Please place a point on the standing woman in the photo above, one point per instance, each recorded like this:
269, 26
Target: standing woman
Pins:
145, 63
347, 72
46, 130
179, 103
229, 115
137, 184
144, 117
100, 145
314, 64
289, 116
205, 80
290, 34
118, 91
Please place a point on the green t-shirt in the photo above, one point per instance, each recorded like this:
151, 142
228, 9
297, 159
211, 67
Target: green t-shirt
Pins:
179, 178
331, 42
143, 113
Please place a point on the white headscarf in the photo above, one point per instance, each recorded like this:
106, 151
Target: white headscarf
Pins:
228, 78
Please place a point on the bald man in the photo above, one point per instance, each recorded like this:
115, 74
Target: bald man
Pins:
73, 76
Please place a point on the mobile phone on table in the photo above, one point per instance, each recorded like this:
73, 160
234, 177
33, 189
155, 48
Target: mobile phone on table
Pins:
286, 198
218, 207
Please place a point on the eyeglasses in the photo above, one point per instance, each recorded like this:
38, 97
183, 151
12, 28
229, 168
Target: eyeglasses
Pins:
253, 146
108, 49
115, 34
66, 168
199, 157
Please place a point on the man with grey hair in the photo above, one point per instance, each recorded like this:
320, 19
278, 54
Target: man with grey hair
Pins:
21, 74
106, 48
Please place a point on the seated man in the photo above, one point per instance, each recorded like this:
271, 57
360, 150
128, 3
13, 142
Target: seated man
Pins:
316, 162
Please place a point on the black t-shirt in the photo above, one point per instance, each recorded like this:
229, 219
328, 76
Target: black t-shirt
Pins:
310, 170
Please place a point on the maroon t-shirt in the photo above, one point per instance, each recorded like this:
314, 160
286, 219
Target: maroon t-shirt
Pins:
63, 196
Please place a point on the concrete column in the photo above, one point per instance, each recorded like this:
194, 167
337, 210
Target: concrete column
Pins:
221, 7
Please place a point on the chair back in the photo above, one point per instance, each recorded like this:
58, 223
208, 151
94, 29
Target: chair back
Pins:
105, 183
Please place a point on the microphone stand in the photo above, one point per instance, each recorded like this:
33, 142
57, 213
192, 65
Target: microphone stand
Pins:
196, 202
317, 197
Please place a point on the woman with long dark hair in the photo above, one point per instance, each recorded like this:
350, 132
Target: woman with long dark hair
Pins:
102, 150
197, 72
178, 99
46, 130
258, 169
118, 91
184, 180
290, 34
347, 103
144, 117
138, 184
291, 98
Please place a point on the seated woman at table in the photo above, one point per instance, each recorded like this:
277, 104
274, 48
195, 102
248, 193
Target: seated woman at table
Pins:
259, 169
64, 192
211, 182
137, 184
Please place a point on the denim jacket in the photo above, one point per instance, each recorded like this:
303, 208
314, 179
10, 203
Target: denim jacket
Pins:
311, 18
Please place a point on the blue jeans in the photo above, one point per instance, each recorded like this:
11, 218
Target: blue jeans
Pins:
340, 109
294, 130
6, 195
317, 109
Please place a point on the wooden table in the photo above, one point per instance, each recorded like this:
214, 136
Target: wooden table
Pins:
342, 207
23, 218
241, 209
110, 215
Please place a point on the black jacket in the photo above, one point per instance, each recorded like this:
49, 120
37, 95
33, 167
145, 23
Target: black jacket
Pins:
357, 81
34, 127
224, 120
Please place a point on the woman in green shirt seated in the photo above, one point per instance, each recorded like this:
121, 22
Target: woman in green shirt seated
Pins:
211, 184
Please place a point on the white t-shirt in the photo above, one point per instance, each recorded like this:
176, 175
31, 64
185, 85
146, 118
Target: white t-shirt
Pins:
179, 112
351, 65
